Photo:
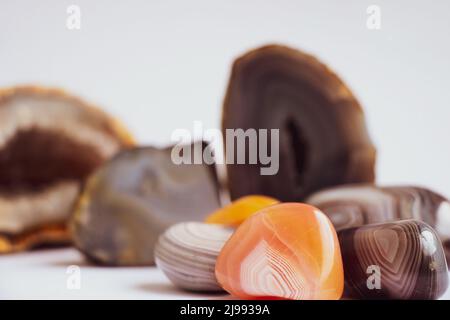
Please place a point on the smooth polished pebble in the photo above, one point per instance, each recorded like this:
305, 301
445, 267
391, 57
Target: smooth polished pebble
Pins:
285, 251
397, 260
236, 212
187, 254
360, 204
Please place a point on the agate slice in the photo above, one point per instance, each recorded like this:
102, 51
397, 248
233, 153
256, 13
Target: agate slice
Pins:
398, 260
131, 200
356, 205
323, 139
236, 212
49, 143
287, 251
187, 254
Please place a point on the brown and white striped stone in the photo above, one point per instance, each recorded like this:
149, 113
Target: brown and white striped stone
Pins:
397, 260
187, 254
356, 205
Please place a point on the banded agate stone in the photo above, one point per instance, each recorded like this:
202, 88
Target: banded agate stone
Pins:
323, 139
236, 212
50, 142
356, 205
135, 197
397, 260
187, 254
287, 251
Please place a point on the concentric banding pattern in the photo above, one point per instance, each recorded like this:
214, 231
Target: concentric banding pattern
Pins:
187, 254
356, 205
287, 251
323, 139
408, 255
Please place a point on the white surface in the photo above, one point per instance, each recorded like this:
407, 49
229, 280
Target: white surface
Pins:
43, 275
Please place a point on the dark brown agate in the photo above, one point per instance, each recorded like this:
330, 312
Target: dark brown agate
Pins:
134, 197
49, 143
356, 205
398, 260
322, 131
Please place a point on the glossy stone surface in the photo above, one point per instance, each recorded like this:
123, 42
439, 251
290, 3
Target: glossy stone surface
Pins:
409, 257
287, 251
236, 212
323, 139
131, 200
356, 205
187, 254
50, 142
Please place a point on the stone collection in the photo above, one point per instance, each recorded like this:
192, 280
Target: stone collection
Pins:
356, 205
70, 172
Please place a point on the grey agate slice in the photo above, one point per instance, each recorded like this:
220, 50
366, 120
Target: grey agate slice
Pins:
131, 200
187, 254
361, 204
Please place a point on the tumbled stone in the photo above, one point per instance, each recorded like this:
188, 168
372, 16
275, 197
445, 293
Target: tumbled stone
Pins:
397, 260
288, 251
356, 205
323, 138
131, 200
187, 254
236, 212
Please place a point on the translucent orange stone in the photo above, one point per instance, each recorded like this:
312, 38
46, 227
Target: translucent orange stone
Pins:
236, 212
288, 251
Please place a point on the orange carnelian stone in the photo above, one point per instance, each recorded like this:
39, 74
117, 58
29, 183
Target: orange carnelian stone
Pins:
236, 212
288, 250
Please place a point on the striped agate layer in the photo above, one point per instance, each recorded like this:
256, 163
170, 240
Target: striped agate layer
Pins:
50, 142
134, 198
187, 254
285, 251
396, 260
356, 205
323, 139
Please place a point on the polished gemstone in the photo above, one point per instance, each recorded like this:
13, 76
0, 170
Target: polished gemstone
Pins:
287, 251
131, 200
236, 212
356, 205
396, 260
323, 138
187, 254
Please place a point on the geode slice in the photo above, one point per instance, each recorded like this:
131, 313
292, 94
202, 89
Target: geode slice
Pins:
49, 143
356, 205
323, 139
398, 260
187, 254
134, 197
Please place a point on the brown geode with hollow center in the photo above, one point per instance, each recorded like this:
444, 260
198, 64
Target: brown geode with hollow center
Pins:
49, 143
323, 140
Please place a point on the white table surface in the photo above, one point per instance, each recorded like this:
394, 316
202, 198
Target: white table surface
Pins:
43, 275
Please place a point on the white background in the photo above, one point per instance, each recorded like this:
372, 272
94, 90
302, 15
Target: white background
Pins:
159, 65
